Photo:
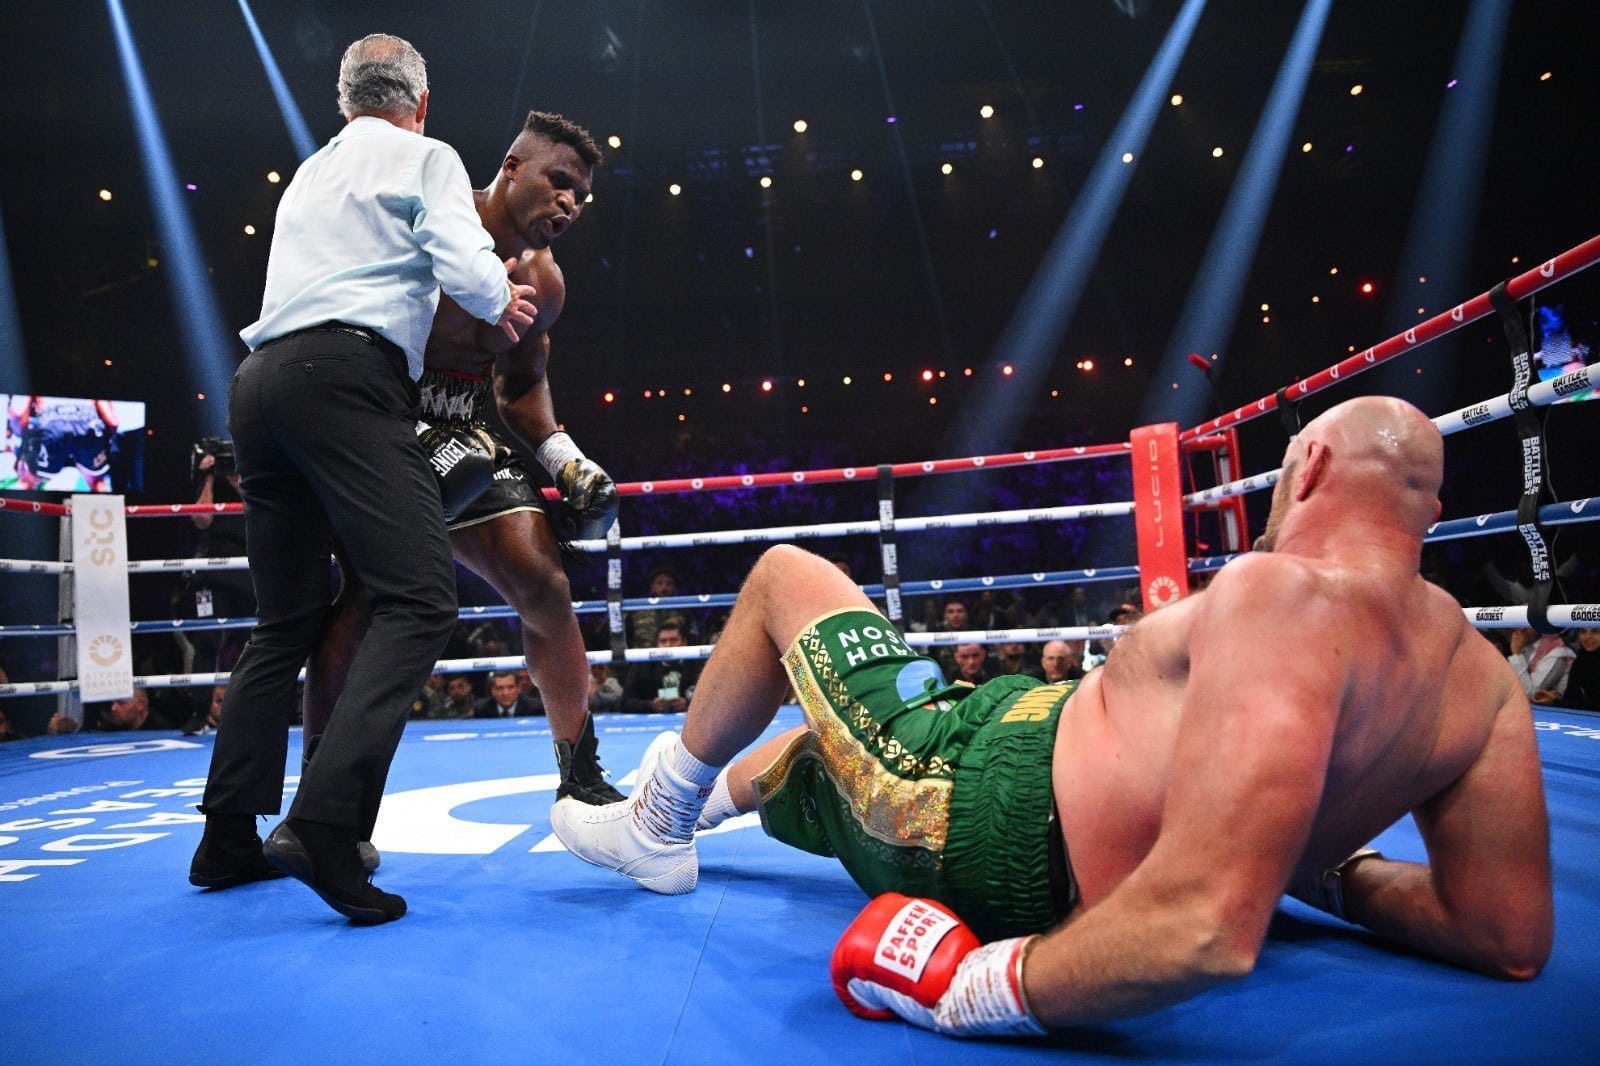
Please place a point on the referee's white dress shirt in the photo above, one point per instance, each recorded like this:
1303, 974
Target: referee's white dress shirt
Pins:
368, 231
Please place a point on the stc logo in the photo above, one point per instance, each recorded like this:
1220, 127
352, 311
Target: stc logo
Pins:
1162, 591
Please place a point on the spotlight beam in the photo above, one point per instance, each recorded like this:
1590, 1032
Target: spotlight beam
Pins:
1212, 306
1040, 321
299, 133
209, 348
1438, 243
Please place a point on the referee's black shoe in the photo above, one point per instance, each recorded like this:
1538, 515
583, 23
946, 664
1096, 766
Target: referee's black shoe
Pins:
230, 854
324, 857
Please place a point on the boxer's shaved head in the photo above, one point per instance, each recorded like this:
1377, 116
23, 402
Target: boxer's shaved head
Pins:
1379, 455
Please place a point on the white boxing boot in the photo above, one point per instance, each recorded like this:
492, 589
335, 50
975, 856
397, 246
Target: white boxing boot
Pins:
650, 836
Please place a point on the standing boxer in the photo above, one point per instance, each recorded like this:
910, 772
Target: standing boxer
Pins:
506, 535
322, 414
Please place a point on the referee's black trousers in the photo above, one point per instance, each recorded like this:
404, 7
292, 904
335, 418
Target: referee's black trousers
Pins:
323, 428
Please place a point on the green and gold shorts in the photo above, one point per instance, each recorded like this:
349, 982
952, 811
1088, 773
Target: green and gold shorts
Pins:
920, 787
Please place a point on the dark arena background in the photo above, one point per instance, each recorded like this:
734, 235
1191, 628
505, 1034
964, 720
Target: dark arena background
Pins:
827, 235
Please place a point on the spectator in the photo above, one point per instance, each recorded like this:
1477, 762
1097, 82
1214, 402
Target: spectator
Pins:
1583, 680
488, 641
62, 724
6, 732
605, 691
458, 698
971, 665
662, 687
642, 625
132, 714
1542, 664
202, 722
433, 699
1062, 660
504, 700
1016, 658
1124, 614
216, 593
953, 619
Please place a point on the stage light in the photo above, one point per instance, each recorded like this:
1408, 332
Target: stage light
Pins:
1355, 90
1452, 83
1128, 361
1265, 320
105, 194
614, 141
209, 348
1306, 147
274, 177
766, 182
589, 198
1366, 287
856, 175
1008, 370
688, 392
1333, 270
1088, 364
766, 386
799, 125
888, 377
682, 417
249, 230
800, 384
1422, 280
299, 132
967, 373
1217, 294
1316, 299
932, 400
1216, 153
1177, 99
726, 387
1037, 163
847, 379
927, 375
648, 393
191, 186
199, 395
1127, 157
1545, 76
986, 111
611, 397
946, 168
674, 188
108, 362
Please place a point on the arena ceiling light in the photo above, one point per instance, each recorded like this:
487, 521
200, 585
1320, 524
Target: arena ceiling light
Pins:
211, 352
1216, 295
299, 133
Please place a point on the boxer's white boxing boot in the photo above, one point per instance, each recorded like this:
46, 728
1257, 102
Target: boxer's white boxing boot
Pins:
650, 836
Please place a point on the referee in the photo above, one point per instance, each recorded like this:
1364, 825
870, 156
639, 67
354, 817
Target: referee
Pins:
322, 414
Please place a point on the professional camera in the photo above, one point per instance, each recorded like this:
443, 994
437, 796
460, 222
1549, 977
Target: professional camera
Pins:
220, 449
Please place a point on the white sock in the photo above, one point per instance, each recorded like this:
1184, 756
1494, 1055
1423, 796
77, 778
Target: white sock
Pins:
686, 766
671, 800
719, 806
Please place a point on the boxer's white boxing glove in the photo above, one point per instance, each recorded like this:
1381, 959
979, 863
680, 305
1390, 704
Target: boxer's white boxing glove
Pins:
913, 958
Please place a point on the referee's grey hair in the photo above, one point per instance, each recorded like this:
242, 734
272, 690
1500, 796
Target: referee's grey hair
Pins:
381, 74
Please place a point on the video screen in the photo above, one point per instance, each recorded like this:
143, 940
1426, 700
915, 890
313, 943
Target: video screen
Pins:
66, 444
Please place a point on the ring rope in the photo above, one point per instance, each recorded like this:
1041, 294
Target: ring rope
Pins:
1525, 284
1509, 617
1478, 414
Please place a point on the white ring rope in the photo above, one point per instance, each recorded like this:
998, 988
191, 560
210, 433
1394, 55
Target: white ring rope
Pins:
1479, 414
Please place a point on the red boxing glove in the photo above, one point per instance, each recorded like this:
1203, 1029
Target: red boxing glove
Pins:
913, 958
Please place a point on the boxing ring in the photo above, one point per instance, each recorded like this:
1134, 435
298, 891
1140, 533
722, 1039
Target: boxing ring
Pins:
514, 952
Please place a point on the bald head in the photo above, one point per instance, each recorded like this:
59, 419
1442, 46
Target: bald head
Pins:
1377, 456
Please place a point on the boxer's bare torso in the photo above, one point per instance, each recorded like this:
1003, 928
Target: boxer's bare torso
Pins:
462, 344
1414, 689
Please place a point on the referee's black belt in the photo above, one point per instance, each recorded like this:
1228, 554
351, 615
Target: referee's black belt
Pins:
371, 336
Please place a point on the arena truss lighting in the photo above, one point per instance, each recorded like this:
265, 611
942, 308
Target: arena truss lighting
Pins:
299, 133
